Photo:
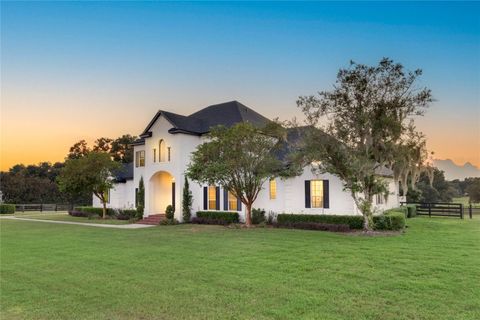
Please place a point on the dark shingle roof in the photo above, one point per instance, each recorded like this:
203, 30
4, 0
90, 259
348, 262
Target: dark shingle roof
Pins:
124, 173
200, 122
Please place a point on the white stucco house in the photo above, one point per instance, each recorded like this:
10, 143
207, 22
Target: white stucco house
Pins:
163, 152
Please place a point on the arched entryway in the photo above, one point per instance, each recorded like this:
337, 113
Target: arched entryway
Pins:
162, 192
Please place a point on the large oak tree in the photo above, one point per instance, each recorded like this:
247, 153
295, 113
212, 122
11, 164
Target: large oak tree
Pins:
367, 114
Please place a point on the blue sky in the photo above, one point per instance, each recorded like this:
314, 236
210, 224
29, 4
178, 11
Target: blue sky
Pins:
118, 62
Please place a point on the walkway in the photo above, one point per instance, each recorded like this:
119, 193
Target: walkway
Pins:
115, 226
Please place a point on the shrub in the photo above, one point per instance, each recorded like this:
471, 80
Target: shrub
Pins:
199, 220
187, 199
353, 222
75, 213
7, 208
412, 210
169, 222
126, 214
315, 226
139, 212
169, 212
227, 217
258, 216
391, 220
95, 211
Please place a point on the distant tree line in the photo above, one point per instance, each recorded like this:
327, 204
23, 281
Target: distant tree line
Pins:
38, 183
441, 190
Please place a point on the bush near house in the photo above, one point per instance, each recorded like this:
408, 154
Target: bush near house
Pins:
7, 208
314, 226
411, 210
353, 222
393, 219
258, 216
91, 211
225, 216
169, 212
120, 214
126, 214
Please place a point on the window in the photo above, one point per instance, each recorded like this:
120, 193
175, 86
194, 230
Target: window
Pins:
316, 193
212, 198
380, 199
273, 189
169, 150
161, 151
232, 202
140, 159
154, 155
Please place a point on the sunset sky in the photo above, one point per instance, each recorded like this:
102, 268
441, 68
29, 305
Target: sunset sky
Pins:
72, 71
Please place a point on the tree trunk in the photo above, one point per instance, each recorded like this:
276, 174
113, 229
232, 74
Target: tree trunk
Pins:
104, 210
248, 216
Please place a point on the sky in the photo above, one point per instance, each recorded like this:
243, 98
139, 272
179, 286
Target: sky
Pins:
83, 70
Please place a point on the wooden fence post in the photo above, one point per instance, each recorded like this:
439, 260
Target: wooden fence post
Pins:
41, 207
429, 209
470, 210
461, 211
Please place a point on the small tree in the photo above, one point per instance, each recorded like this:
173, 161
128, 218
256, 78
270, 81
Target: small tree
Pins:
366, 114
186, 201
140, 198
473, 191
91, 173
240, 158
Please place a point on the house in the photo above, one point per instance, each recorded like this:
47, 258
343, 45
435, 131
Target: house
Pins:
163, 152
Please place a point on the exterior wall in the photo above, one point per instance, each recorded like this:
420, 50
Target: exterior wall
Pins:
121, 196
290, 192
291, 196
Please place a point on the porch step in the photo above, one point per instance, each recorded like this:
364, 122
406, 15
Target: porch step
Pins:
152, 219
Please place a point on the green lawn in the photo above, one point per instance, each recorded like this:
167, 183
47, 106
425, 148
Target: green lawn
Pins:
51, 271
63, 216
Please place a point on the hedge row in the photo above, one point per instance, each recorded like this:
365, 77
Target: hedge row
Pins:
353, 222
7, 208
120, 214
314, 226
392, 220
90, 211
227, 217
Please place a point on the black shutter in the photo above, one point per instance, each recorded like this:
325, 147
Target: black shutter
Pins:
225, 199
173, 195
239, 204
307, 194
205, 198
326, 194
217, 198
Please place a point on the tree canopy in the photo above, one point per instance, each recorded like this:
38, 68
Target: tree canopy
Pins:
92, 173
367, 114
240, 158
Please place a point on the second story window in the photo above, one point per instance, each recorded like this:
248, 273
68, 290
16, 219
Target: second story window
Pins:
154, 155
169, 153
161, 151
140, 159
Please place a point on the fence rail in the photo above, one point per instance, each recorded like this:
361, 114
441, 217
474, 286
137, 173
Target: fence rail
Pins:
43, 207
439, 209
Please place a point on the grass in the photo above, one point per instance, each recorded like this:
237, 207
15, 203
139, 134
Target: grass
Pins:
465, 201
51, 271
63, 216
